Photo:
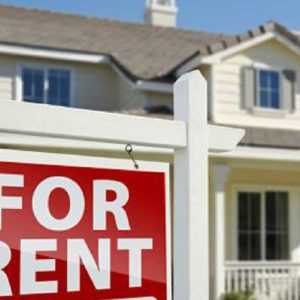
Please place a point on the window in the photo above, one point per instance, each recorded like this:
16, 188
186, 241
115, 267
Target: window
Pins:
51, 86
263, 232
268, 89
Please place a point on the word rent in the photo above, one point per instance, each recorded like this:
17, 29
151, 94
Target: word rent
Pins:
78, 253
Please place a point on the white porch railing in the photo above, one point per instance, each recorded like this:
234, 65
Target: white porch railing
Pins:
268, 280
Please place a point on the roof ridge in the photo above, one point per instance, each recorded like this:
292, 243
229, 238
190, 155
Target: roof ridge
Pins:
61, 13
107, 20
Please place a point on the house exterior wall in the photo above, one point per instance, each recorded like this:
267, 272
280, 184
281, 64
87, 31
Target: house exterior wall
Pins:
93, 86
157, 99
228, 86
128, 97
259, 179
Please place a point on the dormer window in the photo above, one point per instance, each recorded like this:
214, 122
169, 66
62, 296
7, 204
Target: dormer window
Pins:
268, 89
46, 85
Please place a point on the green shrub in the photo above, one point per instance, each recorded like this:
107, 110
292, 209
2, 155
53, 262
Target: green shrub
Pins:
239, 296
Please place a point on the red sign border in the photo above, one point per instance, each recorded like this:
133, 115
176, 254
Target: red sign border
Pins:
71, 160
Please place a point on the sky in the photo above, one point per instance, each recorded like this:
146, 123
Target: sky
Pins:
227, 16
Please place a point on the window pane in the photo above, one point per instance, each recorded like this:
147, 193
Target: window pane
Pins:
33, 85
255, 246
274, 78
65, 89
53, 87
282, 211
249, 225
263, 79
244, 247
270, 211
272, 247
38, 85
264, 99
59, 87
255, 209
27, 83
249, 246
277, 247
243, 211
277, 231
275, 99
276, 211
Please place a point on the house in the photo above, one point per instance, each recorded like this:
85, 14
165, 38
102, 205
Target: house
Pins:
253, 83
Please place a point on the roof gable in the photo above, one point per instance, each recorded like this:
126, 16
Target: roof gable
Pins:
233, 45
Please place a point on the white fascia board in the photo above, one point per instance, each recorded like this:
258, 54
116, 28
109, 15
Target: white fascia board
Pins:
224, 139
152, 86
248, 153
53, 54
261, 153
223, 54
190, 65
241, 152
282, 39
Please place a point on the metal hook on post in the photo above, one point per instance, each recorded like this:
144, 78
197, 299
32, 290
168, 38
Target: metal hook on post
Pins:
129, 150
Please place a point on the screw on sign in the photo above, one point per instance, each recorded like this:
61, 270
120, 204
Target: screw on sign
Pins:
70, 232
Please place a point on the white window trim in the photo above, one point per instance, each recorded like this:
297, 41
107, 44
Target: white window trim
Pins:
269, 112
236, 189
45, 68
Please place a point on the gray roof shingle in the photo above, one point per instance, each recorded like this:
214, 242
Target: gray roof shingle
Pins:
270, 137
254, 136
144, 51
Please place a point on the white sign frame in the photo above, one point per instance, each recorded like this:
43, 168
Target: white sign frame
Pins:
16, 156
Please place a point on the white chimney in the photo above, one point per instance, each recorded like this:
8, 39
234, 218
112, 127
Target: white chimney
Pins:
161, 12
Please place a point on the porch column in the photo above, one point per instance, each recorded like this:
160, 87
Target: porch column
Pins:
219, 177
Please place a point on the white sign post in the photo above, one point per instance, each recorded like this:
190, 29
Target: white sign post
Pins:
191, 192
47, 128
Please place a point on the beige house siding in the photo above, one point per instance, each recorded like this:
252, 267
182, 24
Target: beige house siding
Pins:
228, 86
95, 87
8, 74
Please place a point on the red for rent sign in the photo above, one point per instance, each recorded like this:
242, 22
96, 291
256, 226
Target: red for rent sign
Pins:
82, 228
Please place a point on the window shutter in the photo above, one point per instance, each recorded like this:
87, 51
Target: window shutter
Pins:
288, 90
249, 88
